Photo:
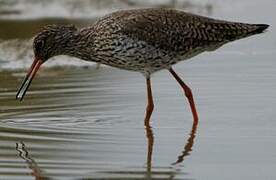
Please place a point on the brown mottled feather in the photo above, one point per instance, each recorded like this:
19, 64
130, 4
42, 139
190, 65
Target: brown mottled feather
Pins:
176, 30
144, 40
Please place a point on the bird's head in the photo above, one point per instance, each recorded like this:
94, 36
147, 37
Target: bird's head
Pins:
53, 40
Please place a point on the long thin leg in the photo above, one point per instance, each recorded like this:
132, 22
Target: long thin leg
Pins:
149, 132
98, 66
150, 105
188, 94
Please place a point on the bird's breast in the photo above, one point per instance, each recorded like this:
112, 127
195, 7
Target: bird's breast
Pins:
132, 54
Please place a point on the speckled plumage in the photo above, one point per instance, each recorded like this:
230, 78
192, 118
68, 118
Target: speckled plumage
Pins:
144, 40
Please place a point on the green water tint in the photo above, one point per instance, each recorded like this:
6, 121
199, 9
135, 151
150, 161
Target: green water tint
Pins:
28, 28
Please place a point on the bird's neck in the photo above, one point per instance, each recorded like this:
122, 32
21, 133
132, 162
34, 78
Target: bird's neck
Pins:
80, 45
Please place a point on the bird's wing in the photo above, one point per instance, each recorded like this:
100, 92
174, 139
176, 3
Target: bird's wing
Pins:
176, 30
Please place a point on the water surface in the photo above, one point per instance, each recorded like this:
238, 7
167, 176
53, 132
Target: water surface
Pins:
80, 122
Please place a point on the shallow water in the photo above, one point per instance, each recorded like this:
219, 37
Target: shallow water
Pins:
79, 122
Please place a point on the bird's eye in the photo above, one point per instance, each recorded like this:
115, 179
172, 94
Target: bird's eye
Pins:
39, 45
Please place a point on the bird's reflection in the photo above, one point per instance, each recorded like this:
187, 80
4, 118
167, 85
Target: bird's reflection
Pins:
186, 152
150, 138
189, 144
40, 175
24, 154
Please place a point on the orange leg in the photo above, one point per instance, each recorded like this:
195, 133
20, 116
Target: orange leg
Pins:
188, 94
150, 106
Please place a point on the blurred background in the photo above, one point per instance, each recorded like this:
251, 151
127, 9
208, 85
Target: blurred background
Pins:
80, 122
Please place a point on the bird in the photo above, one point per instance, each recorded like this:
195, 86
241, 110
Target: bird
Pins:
144, 40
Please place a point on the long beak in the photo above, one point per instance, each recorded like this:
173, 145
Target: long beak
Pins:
28, 79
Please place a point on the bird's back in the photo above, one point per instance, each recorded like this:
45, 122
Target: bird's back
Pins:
157, 38
174, 30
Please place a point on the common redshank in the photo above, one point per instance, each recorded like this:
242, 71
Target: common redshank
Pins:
142, 40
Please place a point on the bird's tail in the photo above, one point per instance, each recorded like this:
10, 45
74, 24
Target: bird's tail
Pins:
259, 28
242, 30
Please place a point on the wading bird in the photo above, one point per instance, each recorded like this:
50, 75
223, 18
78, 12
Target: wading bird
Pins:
142, 40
